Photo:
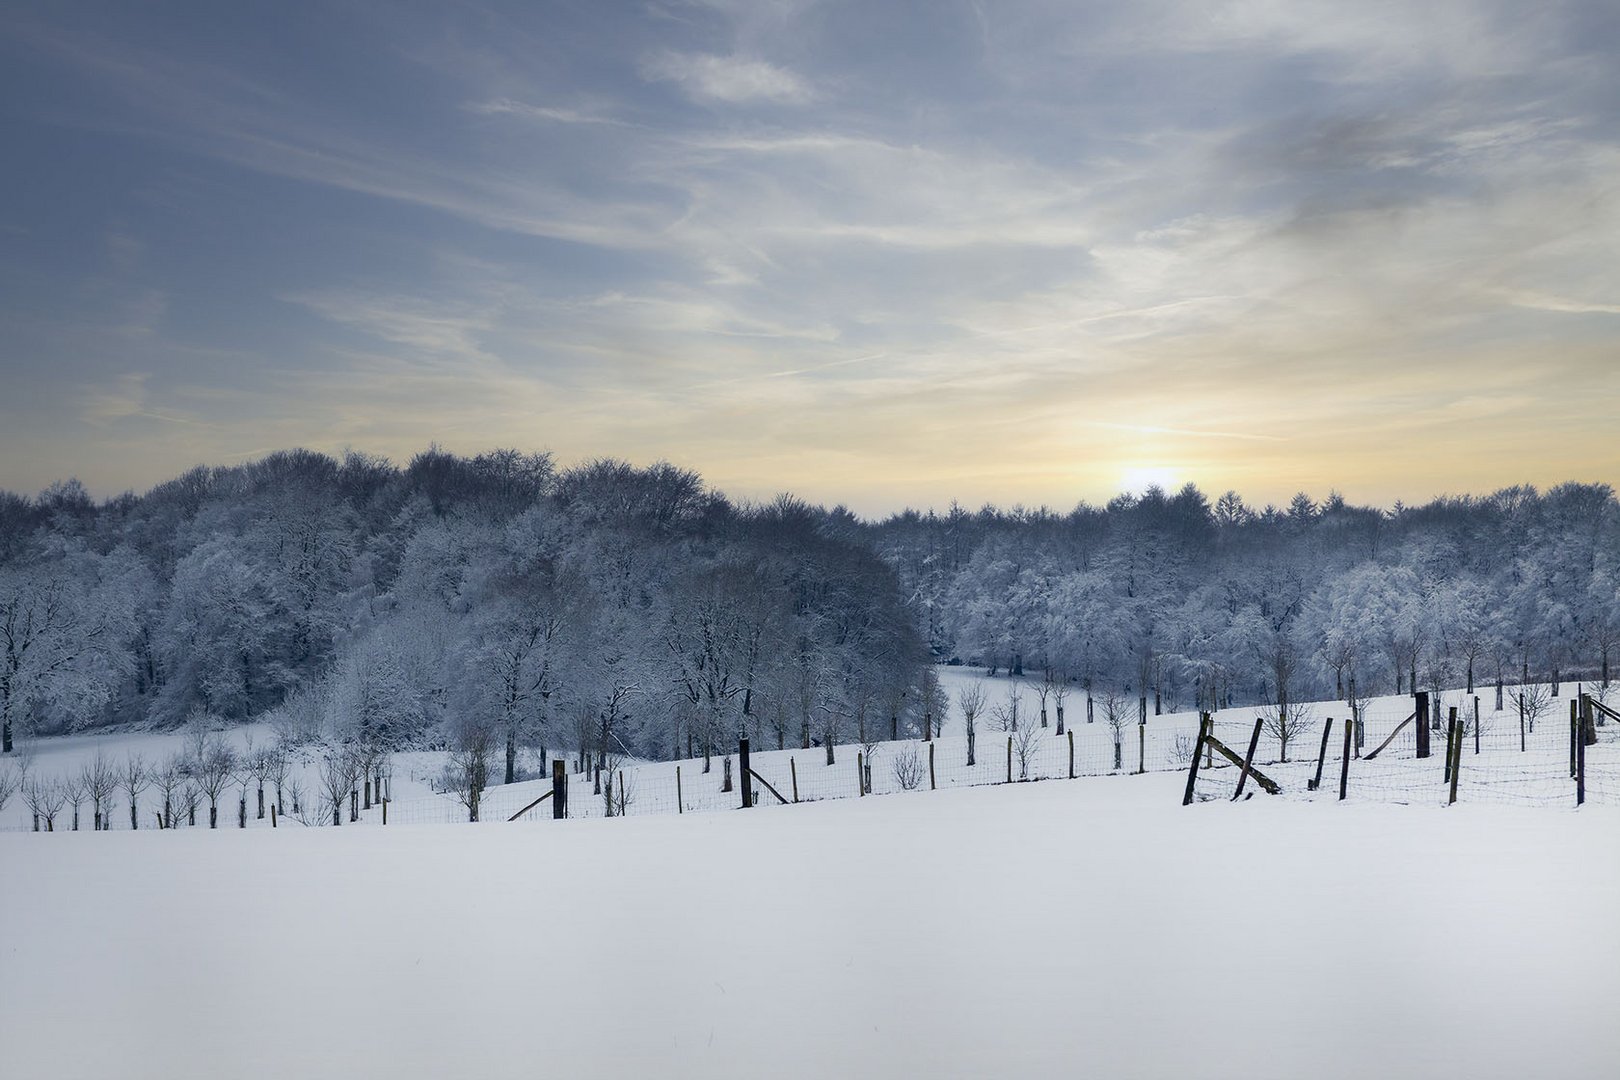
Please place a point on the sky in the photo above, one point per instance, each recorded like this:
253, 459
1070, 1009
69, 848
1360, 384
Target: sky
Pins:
879, 254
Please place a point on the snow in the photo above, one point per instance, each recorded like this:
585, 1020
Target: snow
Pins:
1087, 928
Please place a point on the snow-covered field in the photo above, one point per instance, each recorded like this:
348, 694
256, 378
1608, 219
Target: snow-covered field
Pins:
1501, 772
1090, 928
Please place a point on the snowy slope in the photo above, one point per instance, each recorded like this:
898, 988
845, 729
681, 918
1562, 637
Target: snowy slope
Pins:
1088, 928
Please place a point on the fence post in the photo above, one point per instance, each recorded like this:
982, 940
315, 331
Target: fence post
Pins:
559, 788
1248, 759
1450, 734
1141, 749
930, 765
1580, 772
1456, 756
1192, 773
743, 774
680, 802
1574, 738
1422, 723
385, 812
860, 774
1071, 751
273, 816
794, 769
1321, 755
1009, 759
1344, 765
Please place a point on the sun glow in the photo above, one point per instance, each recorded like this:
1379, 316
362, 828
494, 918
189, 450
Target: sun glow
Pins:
1136, 479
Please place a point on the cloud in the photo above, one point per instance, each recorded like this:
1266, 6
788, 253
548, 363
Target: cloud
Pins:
730, 79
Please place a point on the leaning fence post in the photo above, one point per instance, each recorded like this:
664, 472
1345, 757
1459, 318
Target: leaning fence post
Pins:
1344, 766
680, 803
1192, 773
1321, 755
743, 774
559, 788
793, 768
930, 765
1248, 759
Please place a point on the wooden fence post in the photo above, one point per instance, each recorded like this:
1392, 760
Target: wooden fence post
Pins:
559, 788
1580, 772
794, 769
1321, 755
1450, 732
1248, 759
930, 765
1422, 723
385, 810
1574, 738
1071, 751
743, 774
1141, 749
1009, 759
1192, 773
1456, 756
860, 774
273, 816
680, 802
1344, 766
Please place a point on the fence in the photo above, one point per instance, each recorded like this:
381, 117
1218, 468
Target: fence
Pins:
1455, 748
1515, 755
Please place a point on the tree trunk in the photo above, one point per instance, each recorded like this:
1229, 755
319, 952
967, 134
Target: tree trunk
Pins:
213, 815
725, 784
134, 820
1470, 675
1060, 719
829, 750
511, 756
1117, 754
972, 736
261, 801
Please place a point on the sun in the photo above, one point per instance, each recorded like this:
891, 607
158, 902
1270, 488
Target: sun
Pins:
1136, 479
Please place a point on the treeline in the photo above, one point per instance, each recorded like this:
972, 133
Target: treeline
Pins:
1171, 598
457, 602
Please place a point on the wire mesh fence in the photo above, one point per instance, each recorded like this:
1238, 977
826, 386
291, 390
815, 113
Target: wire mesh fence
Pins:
1521, 754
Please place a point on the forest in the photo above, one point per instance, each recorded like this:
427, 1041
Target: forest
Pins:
499, 602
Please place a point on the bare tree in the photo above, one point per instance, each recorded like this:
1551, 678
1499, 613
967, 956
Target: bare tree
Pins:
212, 769
190, 796
1060, 690
1025, 740
337, 772
100, 781
908, 769
970, 699
1043, 692
468, 772
169, 779
135, 778
36, 792
75, 795
1533, 700
1285, 721
1117, 717
1006, 715
45, 798
277, 763
9, 782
